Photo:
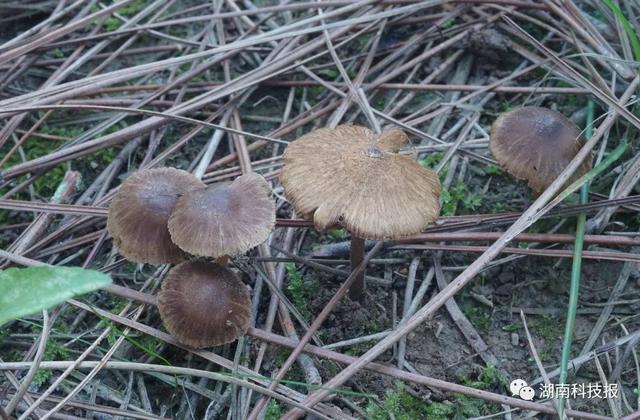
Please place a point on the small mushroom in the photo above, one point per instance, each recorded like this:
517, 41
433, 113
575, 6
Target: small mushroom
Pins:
203, 304
536, 144
351, 177
224, 219
140, 210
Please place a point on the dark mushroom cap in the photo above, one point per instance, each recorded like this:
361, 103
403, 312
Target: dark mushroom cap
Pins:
203, 304
140, 210
536, 144
334, 177
224, 218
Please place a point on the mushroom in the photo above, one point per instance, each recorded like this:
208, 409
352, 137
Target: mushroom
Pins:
203, 304
536, 144
351, 177
224, 219
140, 210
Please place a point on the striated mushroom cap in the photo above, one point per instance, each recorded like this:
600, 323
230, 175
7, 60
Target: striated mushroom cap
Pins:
536, 144
336, 178
224, 218
203, 304
140, 210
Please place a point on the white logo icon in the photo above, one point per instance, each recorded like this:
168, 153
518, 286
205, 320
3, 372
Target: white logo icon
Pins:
527, 393
520, 388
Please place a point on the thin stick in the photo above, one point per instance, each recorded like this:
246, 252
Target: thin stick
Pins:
357, 292
33, 369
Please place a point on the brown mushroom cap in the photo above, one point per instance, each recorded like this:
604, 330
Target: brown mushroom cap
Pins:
224, 218
536, 144
203, 304
139, 212
333, 176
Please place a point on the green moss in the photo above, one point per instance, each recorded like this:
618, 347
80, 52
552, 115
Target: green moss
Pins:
465, 406
132, 8
431, 160
296, 289
490, 377
53, 351
300, 290
458, 197
479, 317
330, 73
449, 23
550, 330
337, 233
401, 405
498, 207
492, 170
362, 41
57, 53
274, 410
45, 184
373, 325
113, 23
511, 328
4, 217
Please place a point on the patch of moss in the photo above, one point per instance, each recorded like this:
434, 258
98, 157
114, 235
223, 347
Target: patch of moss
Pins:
465, 406
550, 330
492, 170
431, 160
337, 233
314, 94
113, 23
499, 207
512, 328
53, 351
45, 184
478, 316
57, 53
401, 405
300, 290
274, 410
459, 199
373, 325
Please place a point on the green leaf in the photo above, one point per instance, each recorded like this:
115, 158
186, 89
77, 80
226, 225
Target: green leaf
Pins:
24, 291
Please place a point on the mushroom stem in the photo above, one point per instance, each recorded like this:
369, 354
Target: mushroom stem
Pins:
358, 289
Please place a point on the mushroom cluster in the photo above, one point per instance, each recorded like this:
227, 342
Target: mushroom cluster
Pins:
140, 211
164, 215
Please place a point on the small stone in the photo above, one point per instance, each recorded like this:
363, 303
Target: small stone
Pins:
515, 339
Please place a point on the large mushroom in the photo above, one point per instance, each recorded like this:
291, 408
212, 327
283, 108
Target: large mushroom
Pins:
536, 144
140, 210
203, 304
224, 219
351, 177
